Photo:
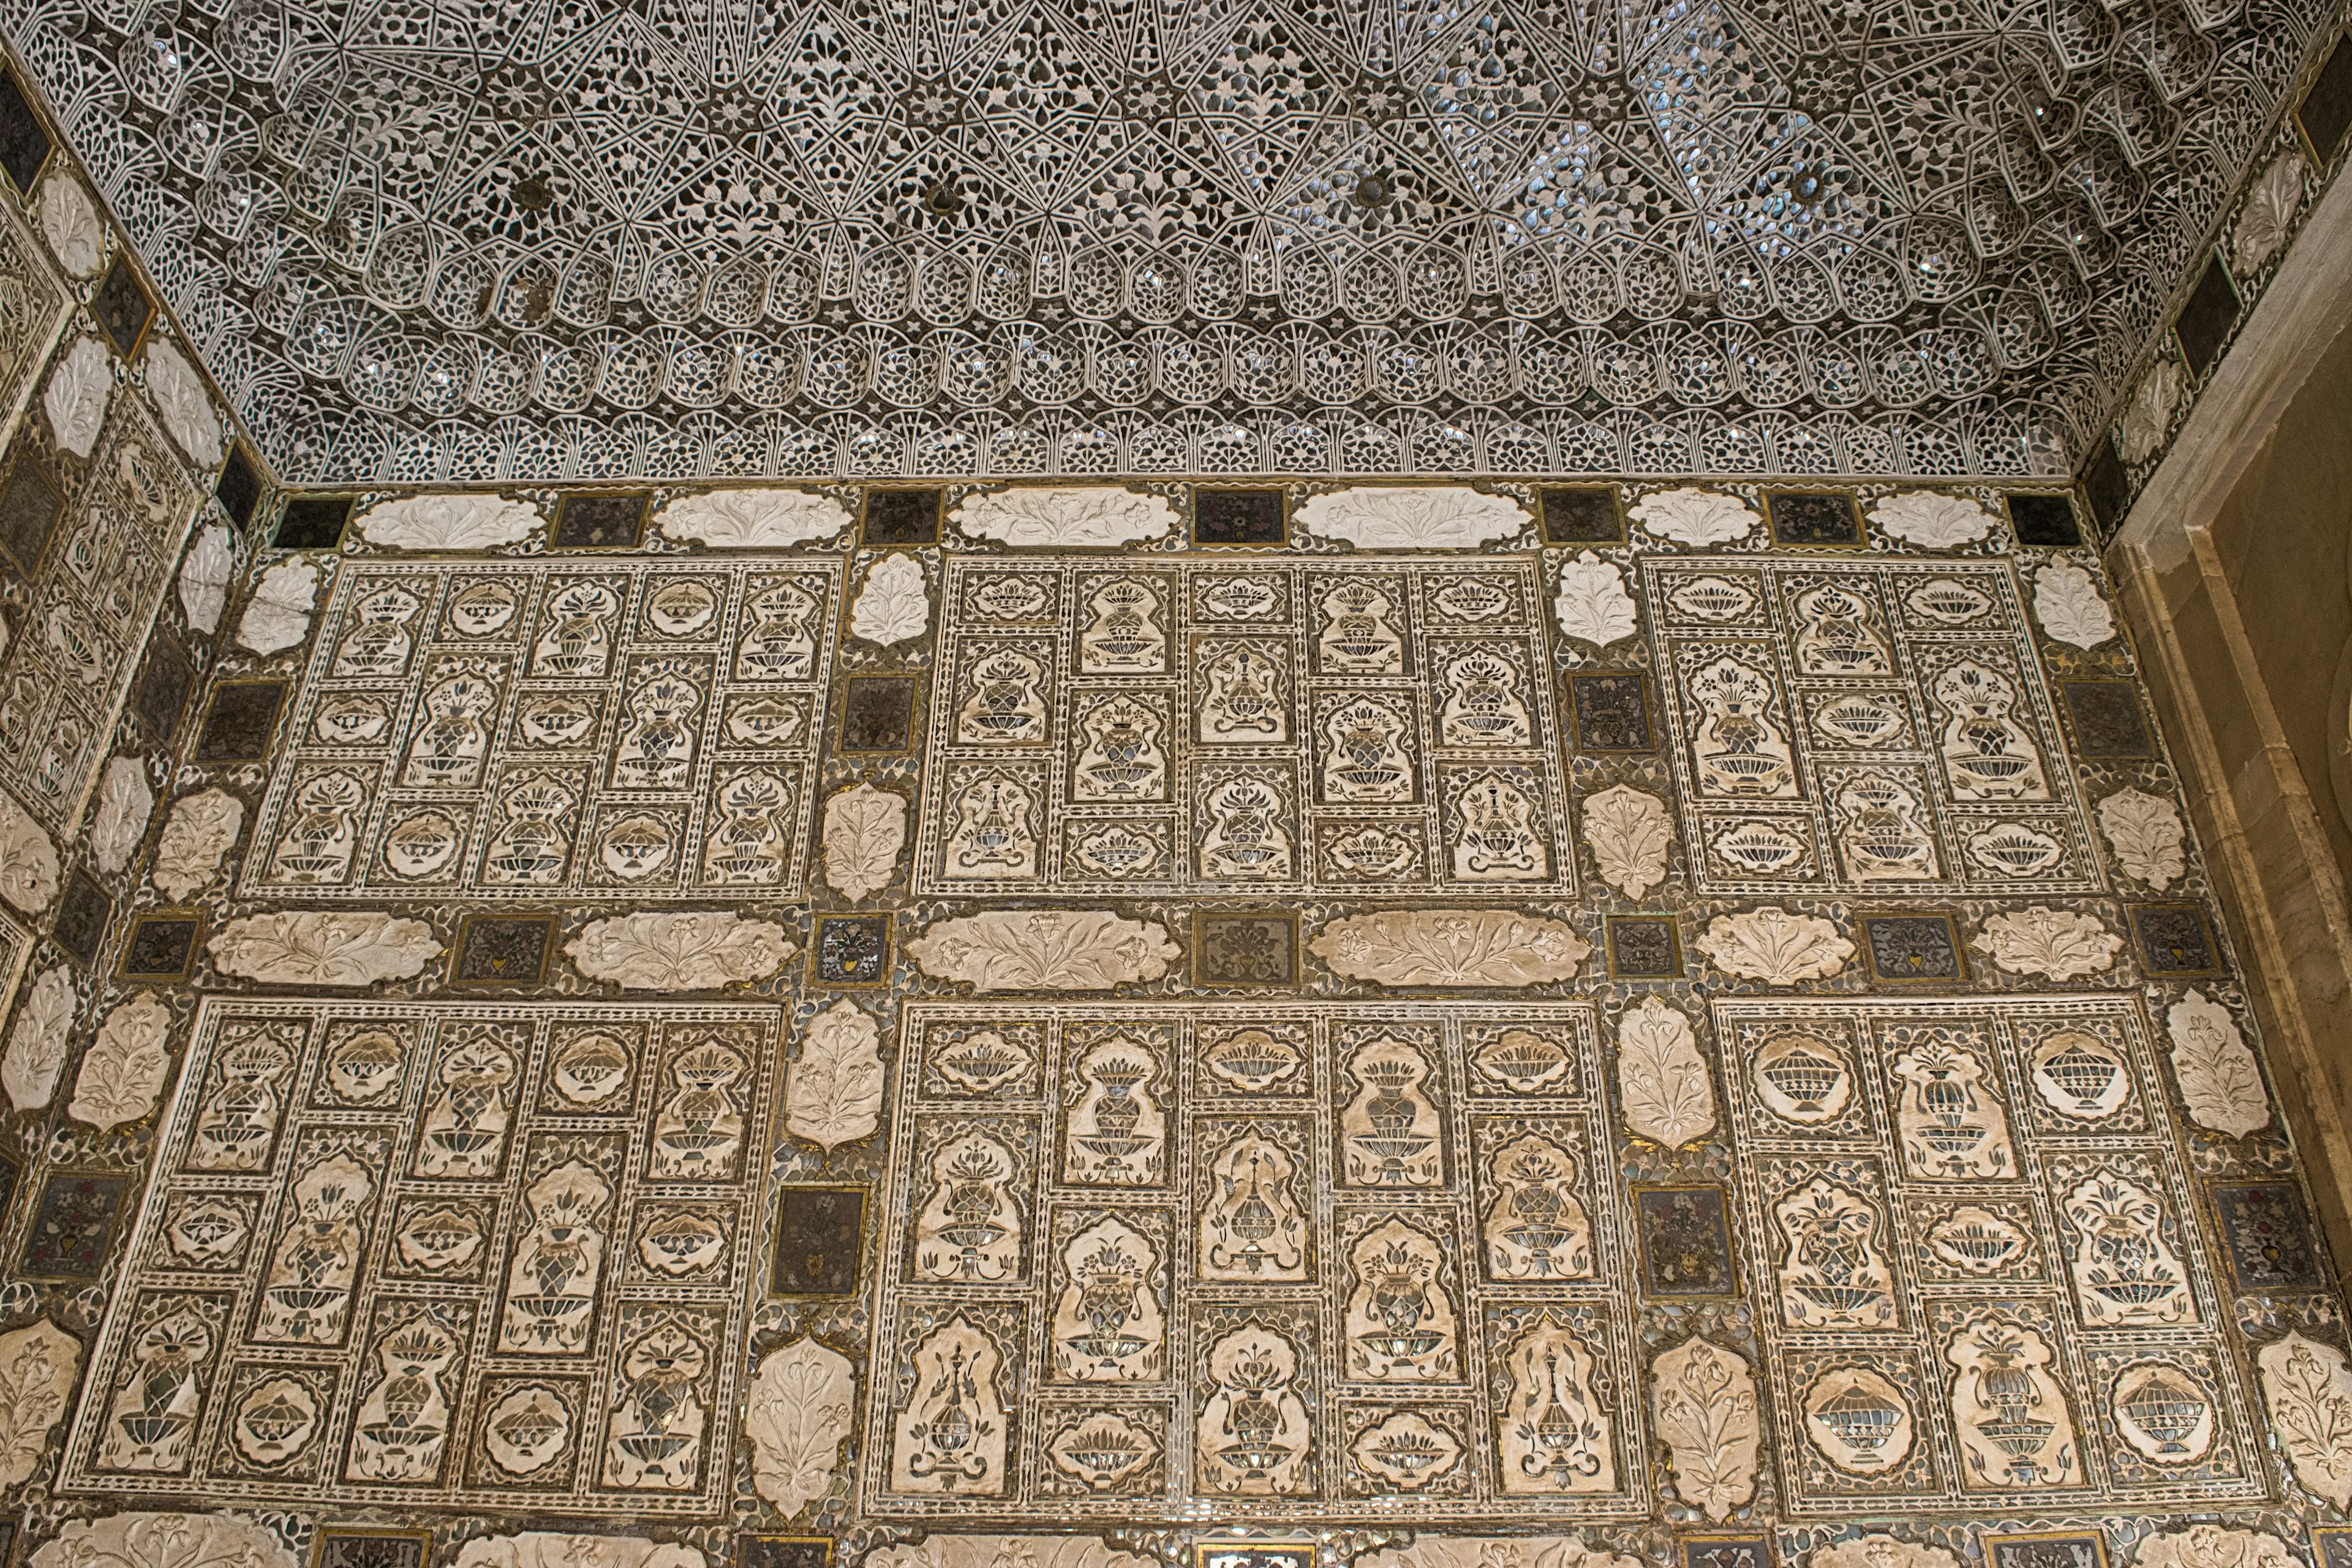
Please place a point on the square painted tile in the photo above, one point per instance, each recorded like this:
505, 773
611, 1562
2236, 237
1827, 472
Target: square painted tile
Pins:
29, 506
2268, 1235
240, 721
238, 488
1644, 947
1686, 1241
84, 910
1814, 518
312, 522
163, 688
852, 950
162, 947
1248, 949
820, 1236
878, 712
2107, 720
503, 950
1727, 1552
2083, 1548
1582, 514
124, 311
600, 521
2045, 521
783, 1551
371, 1548
1238, 517
1912, 948
1612, 712
25, 142
900, 517
2175, 939
72, 1226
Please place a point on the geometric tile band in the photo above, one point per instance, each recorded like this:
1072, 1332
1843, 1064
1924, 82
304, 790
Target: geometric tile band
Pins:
440, 1256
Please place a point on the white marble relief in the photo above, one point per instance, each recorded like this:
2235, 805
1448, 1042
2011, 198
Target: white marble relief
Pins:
2016, 1424
892, 607
864, 829
143, 1540
1592, 605
69, 222
78, 391
548, 1549
1068, 516
1698, 517
184, 404
1703, 1404
278, 617
1555, 1436
205, 577
2221, 1082
753, 519
38, 1364
1772, 945
318, 947
700, 950
1005, 1551
2144, 833
37, 1040
1931, 520
2307, 1390
1451, 947
123, 1072
2070, 607
951, 1436
1662, 1080
29, 861
833, 1093
797, 1416
448, 521
1859, 1421
2147, 418
1433, 1550
2272, 202
2206, 1545
1880, 1552
1628, 834
118, 819
1037, 950
2056, 945
1411, 517
199, 831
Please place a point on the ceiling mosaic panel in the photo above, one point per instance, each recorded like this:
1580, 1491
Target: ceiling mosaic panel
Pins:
533, 241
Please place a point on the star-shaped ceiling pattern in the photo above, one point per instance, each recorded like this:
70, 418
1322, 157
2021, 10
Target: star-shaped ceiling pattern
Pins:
572, 238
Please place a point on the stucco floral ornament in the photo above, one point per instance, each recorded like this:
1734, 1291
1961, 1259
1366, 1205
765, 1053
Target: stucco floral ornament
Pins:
1413, 517
142, 1539
2308, 1387
205, 577
2271, 205
69, 222
2148, 419
1931, 520
1065, 515
317, 947
1451, 947
753, 520
1036, 950
1690, 516
693, 951
1772, 945
2212, 1546
185, 407
448, 522
2056, 945
78, 392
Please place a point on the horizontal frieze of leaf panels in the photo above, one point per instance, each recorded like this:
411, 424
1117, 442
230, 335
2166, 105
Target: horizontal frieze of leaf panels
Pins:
1976, 1265
431, 1255
1269, 1262
1265, 726
1879, 729
516, 730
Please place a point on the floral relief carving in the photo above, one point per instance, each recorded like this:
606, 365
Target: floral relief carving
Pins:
688, 952
2056, 945
1036, 949
2307, 1388
548, 1549
1451, 947
1592, 605
447, 521
278, 617
1772, 945
1931, 520
2148, 418
1628, 834
200, 830
1880, 1552
185, 407
69, 222
205, 577
119, 820
2146, 834
142, 1539
797, 1417
1695, 517
315, 947
865, 828
2272, 202
2220, 1083
1003, 1552
2214, 1546
1433, 1550
834, 1092
1661, 1076
2070, 607
78, 394
892, 607
123, 1072
1065, 517
1413, 517
1703, 1400
753, 519
37, 1042
38, 1364
29, 861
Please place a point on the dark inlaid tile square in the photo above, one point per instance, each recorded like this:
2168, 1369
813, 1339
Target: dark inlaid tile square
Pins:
2331, 1546
342, 1548
783, 1551
238, 488
1582, 514
239, 722
25, 142
2084, 1548
1685, 1241
1644, 947
124, 311
2175, 939
2108, 722
600, 521
878, 712
84, 910
1912, 948
1239, 517
2206, 318
29, 506
164, 687
312, 522
162, 946
900, 517
1252, 948
1727, 1552
852, 950
2325, 112
2045, 519
1612, 712
2106, 486
820, 1236
1814, 518
72, 1226
503, 950
2267, 1234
